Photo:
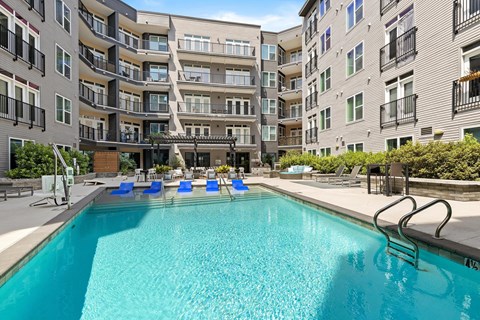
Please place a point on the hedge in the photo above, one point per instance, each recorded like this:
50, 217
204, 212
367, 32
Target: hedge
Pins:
435, 160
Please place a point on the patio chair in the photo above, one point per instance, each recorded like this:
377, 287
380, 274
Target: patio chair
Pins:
155, 187
241, 172
321, 176
239, 186
124, 188
185, 186
232, 175
168, 176
212, 186
138, 174
152, 174
177, 173
351, 178
189, 176
396, 173
211, 175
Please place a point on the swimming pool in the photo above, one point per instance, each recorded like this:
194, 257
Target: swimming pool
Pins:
260, 256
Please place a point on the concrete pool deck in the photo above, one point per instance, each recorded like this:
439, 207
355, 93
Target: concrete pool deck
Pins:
18, 220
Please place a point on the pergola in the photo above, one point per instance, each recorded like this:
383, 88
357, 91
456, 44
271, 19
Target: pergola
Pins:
195, 140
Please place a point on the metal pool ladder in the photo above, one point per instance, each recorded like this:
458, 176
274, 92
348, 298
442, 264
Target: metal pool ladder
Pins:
222, 179
408, 249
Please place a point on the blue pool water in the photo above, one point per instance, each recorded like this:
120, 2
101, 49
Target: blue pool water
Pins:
255, 259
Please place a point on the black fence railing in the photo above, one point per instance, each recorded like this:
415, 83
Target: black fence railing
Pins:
38, 6
399, 111
386, 5
93, 97
399, 50
311, 135
289, 141
311, 30
218, 78
86, 132
290, 113
465, 14
465, 95
154, 45
96, 25
231, 49
311, 66
20, 49
96, 61
207, 108
21, 112
311, 101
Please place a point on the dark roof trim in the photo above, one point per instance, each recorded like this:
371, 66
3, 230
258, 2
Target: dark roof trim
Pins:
306, 7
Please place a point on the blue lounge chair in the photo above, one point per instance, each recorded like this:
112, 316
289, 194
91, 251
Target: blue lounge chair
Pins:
185, 186
212, 185
155, 187
238, 185
124, 188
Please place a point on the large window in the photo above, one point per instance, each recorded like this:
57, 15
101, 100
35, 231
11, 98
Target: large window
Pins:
63, 107
473, 131
296, 83
355, 107
240, 77
203, 159
158, 73
63, 62
325, 152
396, 143
158, 43
269, 79
14, 145
355, 59
325, 80
194, 129
326, 41
354, 13
324, 6
399, 97
238, 47
355, 147
159, 102
197, 43
156, 127
325, 119
269, 52
269, 106
62, 15
269, 133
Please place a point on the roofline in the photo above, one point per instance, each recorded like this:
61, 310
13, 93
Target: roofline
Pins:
290, 29
306, 7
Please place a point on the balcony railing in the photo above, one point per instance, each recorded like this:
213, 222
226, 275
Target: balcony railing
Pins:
154, 46
38, 6
128, 40
311, 135
97, 62
130, 105
86, 132
218, 78
386, 5
290, 113
19, 48
311, 101
154, 76
131, 137
289, 141
93, 134
130, 73
465, 14
399, 111
241, 138
155, 107
96, 25
220, 48
311, 66
21, 112
206, 108
399, 50
311, 30
93, 97
466, 95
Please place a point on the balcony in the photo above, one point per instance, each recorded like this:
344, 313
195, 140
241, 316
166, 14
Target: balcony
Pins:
311, 101
216, 82
290, 141
291, 67
106, 136
38, 6
399, 51
399, 111
466, 13
289, 115
294, 93
129, 105
19, 48
223, 53
21, 112
311, 30
311, 135
236, 112
97, 27
311, 67
386, 5
242, 139
91, 97
95, 61
466, 94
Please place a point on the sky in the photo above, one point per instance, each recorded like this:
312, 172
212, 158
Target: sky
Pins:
271, 15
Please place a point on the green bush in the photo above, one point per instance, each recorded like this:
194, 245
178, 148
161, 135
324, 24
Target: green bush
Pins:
162, 168
36, 160
127, 164
175, 162
223, 169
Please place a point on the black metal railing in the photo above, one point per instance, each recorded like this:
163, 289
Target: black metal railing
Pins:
399, 111
96, 25
290, 141
86, 132
311, 30
130, 105
207, 108
465, 14
311, 66
21, 112
156, 76
386, 5
97, 62
399, 50
20, 49
218, 78
242, 50
311, 101
290, 113
465, 95
241, 138
131, 137
311, 135
38, 6
93, 97
130, 73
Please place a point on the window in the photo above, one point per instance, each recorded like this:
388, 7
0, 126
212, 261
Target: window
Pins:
238, 106
269, 106
325, 152
241, 131
63, 62
355, 59
324, 6
396, 143
238, 47
197, 43
158, 73
296, 56
325, 80
197, 73
325, 40
282, 56
197, 129
355, 147
473, 131
14, 145
158, 43
240, 77
355, 107
399, 97
64, 110
269, 133
312, 152
269, 52
354, 13
203, 159
158, 128
296, 83
325, 119
128, 38
159, 102
62, 15
269, 79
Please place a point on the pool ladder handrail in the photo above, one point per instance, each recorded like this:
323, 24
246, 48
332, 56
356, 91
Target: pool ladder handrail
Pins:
222, 179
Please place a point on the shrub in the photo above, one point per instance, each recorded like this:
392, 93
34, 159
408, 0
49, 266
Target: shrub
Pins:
175, 162
162, 168
223, 169
126, 163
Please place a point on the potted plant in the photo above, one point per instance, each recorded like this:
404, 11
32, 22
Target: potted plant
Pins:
222, 170
162, 169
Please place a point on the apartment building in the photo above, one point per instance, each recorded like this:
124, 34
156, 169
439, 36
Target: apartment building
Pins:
379, 74
38, 75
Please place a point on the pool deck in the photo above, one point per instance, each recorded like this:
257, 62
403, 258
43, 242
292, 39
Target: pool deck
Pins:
18, 220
